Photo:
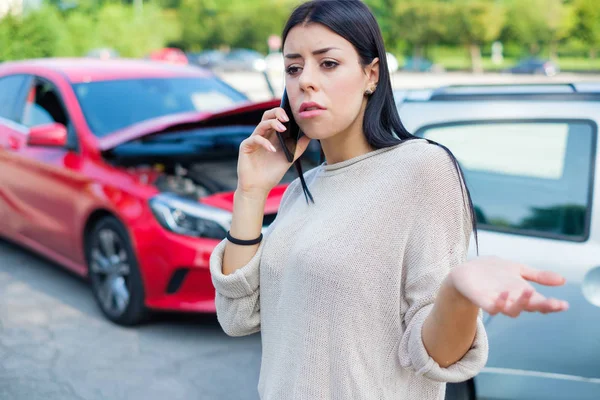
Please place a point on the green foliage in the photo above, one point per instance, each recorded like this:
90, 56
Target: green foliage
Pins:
236, 23
135, 27
132, 35
48, 32
534, 23
421, 22
587, 28
476, 21
35, 35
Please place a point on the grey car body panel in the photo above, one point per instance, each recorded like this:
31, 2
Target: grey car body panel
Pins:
549, 357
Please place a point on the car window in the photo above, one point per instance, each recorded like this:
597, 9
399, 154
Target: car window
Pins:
112, 105
10, 88
43, 106
532, 178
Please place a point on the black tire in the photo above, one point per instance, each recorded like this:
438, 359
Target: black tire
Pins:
114, 273
460, 391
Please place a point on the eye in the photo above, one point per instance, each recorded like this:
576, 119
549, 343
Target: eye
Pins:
329, 64
292, 70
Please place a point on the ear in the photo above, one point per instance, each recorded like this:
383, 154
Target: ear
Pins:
372, 72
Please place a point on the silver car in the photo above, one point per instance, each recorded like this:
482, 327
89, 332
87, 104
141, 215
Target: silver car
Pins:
529, 156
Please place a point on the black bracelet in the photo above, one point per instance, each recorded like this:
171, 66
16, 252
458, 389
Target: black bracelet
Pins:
244, 242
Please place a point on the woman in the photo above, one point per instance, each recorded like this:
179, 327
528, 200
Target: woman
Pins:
365, 293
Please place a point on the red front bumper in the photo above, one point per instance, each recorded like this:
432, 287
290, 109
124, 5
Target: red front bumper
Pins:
160, 255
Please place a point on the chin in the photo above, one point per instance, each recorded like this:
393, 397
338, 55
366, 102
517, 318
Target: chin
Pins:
318, 132
318, 135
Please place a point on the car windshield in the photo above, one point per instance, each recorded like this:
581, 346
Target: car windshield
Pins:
112, 105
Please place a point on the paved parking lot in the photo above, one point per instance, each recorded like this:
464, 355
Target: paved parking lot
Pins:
55, 345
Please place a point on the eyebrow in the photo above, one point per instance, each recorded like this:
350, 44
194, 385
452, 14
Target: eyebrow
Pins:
316, 52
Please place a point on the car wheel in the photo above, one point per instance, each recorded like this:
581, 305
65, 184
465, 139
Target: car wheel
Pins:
460, 391
114, 274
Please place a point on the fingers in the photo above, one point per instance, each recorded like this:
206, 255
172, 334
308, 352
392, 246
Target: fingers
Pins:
547, 278
543, 305
499, 304
254, 142
275, 113
529, 300
267, 126
522, 303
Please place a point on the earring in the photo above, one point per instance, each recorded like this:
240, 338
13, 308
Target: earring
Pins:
370, 91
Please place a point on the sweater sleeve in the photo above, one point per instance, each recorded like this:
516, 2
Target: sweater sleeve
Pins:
438, 241
237, 297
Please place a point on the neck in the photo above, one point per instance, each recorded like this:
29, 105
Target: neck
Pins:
347, 144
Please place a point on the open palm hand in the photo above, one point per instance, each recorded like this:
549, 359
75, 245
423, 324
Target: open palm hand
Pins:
501, 286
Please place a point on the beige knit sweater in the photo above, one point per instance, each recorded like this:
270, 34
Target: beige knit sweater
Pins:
340, 289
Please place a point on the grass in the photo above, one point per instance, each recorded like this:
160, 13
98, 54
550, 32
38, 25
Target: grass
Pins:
454, 59
464, 63
566, 64
579, 64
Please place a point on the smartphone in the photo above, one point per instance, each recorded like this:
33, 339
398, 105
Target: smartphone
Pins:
289, 138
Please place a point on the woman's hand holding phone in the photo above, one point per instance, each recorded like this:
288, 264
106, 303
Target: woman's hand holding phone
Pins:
261, 162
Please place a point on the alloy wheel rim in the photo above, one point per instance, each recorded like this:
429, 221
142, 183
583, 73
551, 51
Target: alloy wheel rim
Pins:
110, 266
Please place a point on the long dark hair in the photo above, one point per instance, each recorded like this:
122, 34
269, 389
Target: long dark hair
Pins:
352, 20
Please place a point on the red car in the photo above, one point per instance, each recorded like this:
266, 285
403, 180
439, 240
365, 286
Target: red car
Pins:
123, 171
169, 55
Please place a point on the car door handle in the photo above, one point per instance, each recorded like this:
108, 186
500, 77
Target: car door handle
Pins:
591, 286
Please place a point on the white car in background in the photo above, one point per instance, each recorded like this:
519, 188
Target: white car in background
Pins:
529, 155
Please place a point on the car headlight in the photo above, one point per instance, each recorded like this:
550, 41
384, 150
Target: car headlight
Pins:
190, 218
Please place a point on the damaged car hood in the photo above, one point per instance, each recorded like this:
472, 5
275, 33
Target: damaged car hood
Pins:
249, 113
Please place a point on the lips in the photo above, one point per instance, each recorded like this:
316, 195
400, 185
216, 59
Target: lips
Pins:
310, 106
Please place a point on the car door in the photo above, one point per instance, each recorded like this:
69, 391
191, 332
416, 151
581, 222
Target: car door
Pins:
12, 135
532, 184
46, 180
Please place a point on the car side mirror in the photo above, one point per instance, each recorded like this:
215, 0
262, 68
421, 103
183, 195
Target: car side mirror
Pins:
53, 135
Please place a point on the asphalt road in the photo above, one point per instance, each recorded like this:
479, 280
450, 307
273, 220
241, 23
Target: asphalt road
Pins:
55, 345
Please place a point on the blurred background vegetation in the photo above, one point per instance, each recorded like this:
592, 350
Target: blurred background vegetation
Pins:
458, 34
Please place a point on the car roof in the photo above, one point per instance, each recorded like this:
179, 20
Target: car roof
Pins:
79, 70
522, 91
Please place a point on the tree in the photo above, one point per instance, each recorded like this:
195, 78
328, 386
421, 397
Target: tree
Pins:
587, 28
33, 35
560, 20
421, 22
385, 13
130, 33
235, 23
475, 22
540, 22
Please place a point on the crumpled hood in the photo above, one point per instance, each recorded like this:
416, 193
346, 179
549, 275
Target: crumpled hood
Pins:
247, 113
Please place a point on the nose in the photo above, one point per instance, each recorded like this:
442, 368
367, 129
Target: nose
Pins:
308, 78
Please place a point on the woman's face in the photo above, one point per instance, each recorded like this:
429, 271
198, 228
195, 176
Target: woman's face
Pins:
325, 81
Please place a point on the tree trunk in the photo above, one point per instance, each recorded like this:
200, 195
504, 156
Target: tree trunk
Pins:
476, 63
534, 49
554, 50
418, 51
417, 57
593, 53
